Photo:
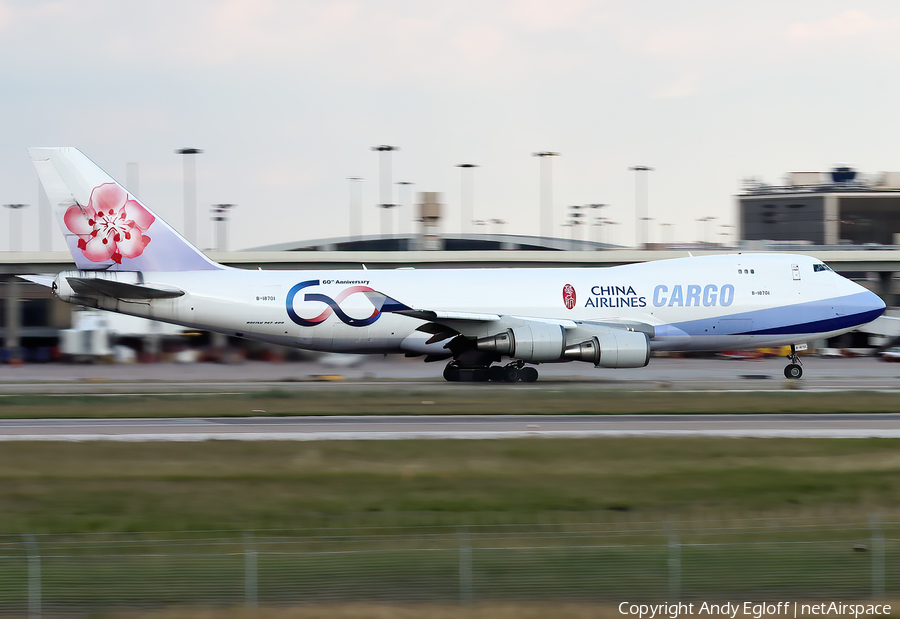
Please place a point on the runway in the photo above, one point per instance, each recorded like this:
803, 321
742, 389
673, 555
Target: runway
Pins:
376, 373
455, 427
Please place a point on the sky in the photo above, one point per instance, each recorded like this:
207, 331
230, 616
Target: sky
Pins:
287, 97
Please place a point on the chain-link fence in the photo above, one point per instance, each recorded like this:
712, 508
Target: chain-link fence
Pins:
635, 561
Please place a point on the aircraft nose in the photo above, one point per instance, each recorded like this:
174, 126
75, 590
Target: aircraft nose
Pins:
877, 303
866, 306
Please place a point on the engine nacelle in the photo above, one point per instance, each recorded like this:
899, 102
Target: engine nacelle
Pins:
531, 342
616, 349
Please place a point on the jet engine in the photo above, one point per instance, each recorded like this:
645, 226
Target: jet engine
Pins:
616, 349
531, 342
545, 342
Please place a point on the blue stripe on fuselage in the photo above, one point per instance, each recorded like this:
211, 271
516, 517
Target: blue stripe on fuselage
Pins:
821, 326
821, 316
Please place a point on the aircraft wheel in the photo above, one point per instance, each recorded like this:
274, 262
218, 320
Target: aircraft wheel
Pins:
793, 371
528, 375
474, 375
497, 373
478, 375
510, 374
451, 373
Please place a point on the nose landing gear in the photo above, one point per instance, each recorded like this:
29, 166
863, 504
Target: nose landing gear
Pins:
793, 370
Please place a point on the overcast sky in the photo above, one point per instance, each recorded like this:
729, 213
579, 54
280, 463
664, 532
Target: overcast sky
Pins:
286, 97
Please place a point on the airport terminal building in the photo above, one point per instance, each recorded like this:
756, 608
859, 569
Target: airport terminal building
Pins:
840, 207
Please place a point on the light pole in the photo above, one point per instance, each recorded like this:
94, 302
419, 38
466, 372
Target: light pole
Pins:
15, 226
646, 226
190, 192
667, 239
593, 207
354, 210
220, 222
598, 225
608, 222
640, 203
405, 199
386, 203
575, 219
725, 232
466, 196
546, 191
705, 220
133, 178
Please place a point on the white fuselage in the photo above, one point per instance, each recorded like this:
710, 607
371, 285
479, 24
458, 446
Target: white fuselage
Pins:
702, 303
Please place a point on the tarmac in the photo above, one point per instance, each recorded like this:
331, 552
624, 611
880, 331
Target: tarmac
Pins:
343, 372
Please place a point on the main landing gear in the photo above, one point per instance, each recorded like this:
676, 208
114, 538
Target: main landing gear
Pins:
793, 369
510, 373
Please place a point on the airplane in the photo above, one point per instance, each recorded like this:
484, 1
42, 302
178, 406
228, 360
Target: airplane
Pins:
489, 324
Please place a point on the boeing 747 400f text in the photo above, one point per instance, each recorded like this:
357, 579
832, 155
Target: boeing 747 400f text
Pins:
490, 324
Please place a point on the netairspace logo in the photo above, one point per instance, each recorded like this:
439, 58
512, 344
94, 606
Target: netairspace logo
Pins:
756, 610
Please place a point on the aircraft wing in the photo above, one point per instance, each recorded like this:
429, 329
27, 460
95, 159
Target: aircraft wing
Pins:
883, 325
439, 315
477, 323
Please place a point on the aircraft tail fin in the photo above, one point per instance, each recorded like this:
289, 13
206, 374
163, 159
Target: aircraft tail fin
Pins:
107, 228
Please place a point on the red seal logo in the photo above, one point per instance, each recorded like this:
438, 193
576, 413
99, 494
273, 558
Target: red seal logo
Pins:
569, 296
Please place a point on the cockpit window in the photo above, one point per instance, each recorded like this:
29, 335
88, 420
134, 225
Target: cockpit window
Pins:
821, 267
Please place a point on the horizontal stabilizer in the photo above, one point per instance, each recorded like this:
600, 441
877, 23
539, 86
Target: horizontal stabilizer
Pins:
40, 280
92, 287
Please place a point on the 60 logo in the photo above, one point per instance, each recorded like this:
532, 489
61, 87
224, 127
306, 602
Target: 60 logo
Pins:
333, 306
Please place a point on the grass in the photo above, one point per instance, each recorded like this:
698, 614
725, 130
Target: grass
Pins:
81, 487
301, 496
482, 399
532, 610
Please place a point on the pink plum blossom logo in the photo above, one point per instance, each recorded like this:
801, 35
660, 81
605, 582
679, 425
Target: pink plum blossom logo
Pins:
111, 227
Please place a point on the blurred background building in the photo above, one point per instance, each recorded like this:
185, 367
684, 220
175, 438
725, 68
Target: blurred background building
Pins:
840, 207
